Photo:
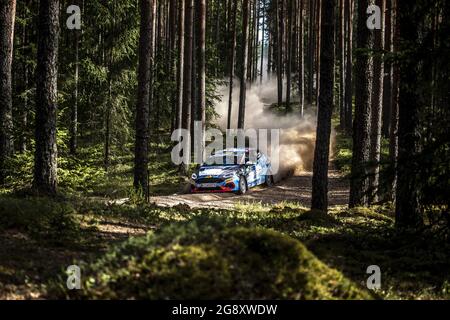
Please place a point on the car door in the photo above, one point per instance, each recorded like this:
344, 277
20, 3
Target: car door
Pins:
260, 169
251, 175
250, 171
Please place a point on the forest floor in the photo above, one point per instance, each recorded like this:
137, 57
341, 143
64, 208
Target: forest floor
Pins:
40, 237
34, 258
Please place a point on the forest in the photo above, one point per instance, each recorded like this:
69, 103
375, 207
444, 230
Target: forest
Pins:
93, 93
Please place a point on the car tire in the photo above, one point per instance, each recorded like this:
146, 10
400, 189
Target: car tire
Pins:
243, 188
269, 180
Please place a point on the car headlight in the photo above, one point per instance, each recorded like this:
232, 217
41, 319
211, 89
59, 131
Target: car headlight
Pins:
194, 176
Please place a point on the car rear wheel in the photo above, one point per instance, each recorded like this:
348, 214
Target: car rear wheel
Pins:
242, 185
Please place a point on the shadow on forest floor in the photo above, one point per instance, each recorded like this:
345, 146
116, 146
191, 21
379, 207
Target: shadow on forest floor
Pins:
413, 266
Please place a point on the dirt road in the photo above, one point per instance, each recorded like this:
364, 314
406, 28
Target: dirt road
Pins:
293, 189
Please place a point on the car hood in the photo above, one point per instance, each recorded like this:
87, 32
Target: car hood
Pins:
218, 171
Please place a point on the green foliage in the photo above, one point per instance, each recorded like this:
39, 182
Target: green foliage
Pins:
132, 212
78, 175
19, 172
74, 174
343, 155
42, 219
84, 174
204, 260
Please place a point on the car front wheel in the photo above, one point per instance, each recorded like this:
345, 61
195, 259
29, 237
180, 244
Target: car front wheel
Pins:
242, 185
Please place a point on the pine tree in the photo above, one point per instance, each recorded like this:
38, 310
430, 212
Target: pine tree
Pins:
45, 159
377, 109
325, 108
143, 103
201, 70
232, 58
187, 73
7, 17
408, 210
359, 186
244, 67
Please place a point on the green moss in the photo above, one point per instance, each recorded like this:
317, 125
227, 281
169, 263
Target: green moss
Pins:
318, 218
200, 260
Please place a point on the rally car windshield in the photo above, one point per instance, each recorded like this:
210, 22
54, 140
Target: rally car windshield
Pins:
225, 160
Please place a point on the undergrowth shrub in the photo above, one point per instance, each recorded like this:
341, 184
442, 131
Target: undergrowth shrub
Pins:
74, 173
203, 259
42, 219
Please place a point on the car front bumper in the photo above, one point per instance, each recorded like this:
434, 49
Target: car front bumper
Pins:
221, 187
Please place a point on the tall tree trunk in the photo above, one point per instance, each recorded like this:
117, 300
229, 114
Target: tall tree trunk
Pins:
172, 69
256, 41
301, 70
311, 50
158, 49
7, 18
342, 70
279, 48
377, 109
217, 35
387, 82
251, 38
74, 111
201, 71
408, 204
23, 116
187, 74
289, 56
194, 89
263, 31
256, 33
244, 57
393, 132
349, 64
232, 63
180, 66
45, 160
318, 48
153, 53
319, 199
143, 102
108, 61
359, 186
229, 9
107, 115
269, 51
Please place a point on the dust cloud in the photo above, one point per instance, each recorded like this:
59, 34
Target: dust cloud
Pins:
297, 134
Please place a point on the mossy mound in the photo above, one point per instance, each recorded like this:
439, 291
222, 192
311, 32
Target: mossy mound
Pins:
202, 261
